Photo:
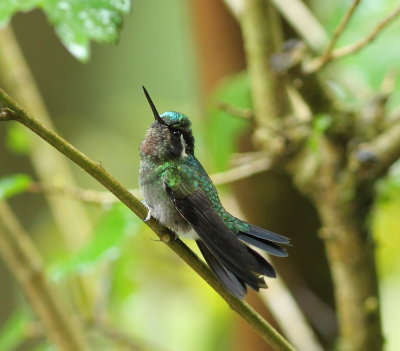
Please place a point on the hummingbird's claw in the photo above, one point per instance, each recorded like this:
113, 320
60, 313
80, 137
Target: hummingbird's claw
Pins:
148, 217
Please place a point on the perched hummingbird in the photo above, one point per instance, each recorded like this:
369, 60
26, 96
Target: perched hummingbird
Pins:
181, 196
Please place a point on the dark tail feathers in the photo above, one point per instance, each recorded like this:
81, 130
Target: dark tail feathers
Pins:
235, 282
233, 278
265, 240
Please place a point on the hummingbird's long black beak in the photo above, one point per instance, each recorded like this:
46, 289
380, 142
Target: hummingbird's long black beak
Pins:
153, 107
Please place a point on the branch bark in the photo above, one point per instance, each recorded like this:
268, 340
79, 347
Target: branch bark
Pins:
26, 265
259, 38
350, 250
9, 109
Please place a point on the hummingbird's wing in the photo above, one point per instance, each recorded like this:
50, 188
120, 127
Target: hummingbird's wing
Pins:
194, 205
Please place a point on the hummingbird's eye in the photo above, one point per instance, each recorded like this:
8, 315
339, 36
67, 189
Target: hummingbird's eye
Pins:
176, 134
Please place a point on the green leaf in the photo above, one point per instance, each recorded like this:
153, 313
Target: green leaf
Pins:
12, 334
13, 185
76, 22
224, 129
114, 226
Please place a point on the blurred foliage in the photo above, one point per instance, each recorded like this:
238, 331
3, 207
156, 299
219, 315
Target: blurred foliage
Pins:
223, 128
387, 225
13, 185
17, 139
360, 72
105, 244
76, 22
13, 331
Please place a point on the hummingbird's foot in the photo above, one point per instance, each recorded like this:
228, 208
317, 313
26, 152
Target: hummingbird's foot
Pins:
148, 217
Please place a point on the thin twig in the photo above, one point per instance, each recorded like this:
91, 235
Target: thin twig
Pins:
339, 30
244, 114
105, 198
243, 171
319, 62
24, 262
259, 324
236, 111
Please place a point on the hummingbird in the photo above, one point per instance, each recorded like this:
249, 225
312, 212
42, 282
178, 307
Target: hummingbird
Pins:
179, 194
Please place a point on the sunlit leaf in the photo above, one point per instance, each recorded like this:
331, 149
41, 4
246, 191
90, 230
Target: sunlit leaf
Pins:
76, 22
114, 226
13, 185
12, 333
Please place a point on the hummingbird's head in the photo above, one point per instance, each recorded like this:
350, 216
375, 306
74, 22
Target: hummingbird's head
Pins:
169, 137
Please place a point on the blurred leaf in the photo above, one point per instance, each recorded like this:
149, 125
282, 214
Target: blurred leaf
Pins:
44, 347
9, 7
13, 185
109, 233
389, 290
224, 128
12, 334
388, 188
76, 22
17, 139
386, 225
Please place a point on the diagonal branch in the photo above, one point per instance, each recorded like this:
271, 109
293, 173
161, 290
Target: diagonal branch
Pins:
100, 174
105, 197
